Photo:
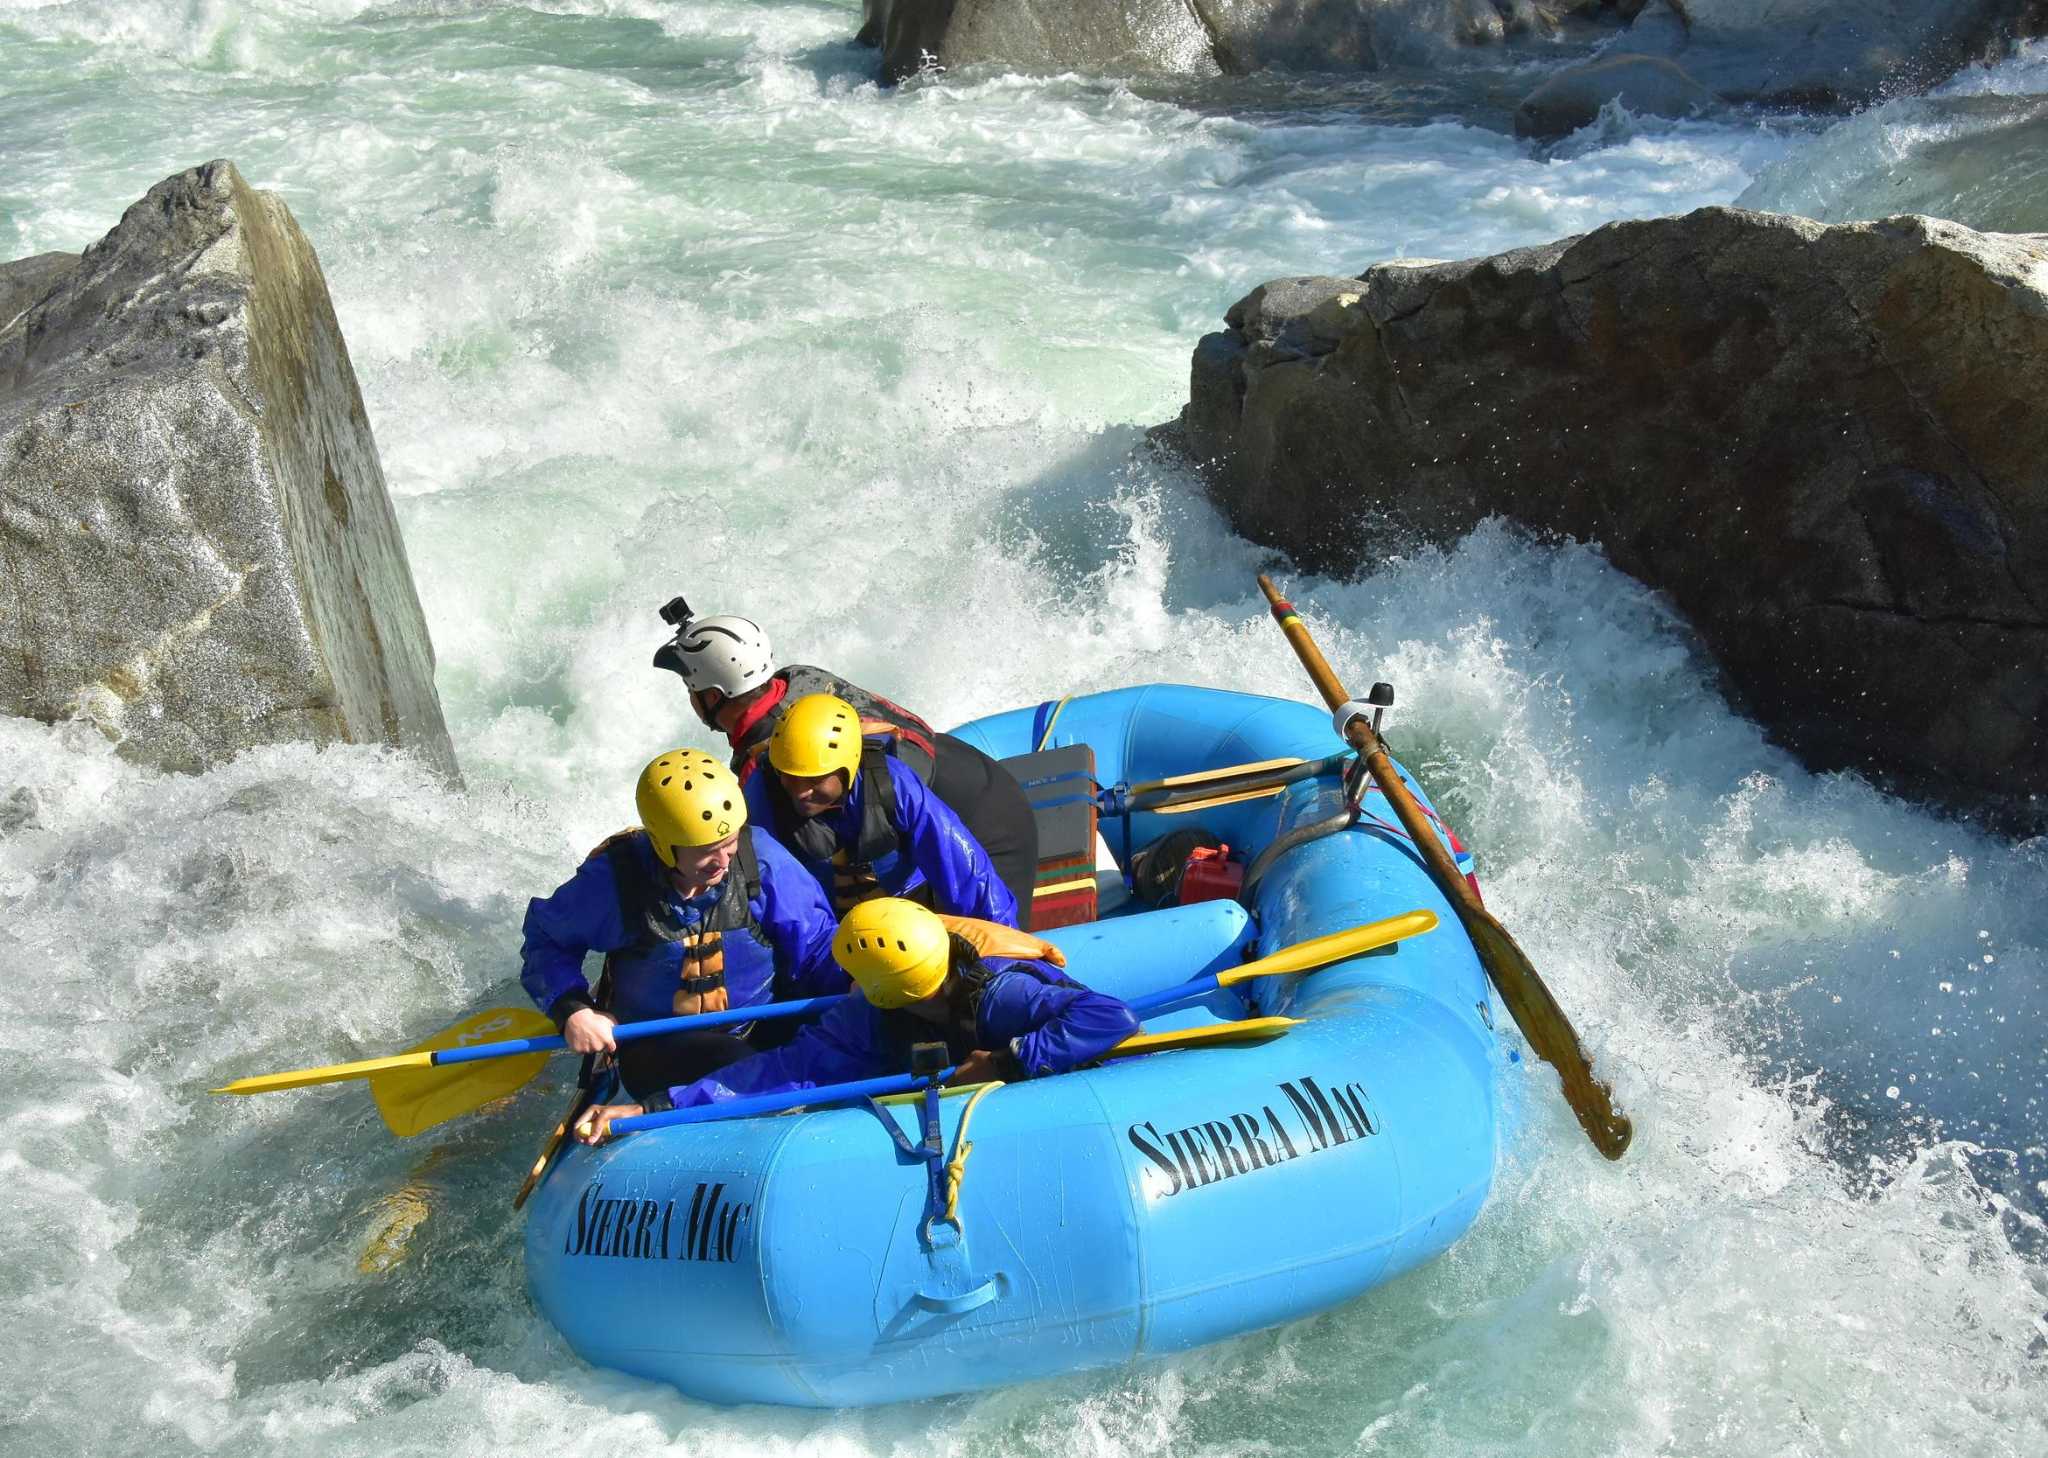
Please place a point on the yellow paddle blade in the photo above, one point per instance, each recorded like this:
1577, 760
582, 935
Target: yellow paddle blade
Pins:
1251, 1030
333, 1073
414, 1097
1335, 947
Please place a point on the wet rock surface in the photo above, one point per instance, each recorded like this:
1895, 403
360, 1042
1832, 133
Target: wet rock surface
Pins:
197, 551
1824, 443
1195, 37
1659, 57
1645, 85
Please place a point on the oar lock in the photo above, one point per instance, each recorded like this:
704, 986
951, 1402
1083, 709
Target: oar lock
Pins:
1374, 704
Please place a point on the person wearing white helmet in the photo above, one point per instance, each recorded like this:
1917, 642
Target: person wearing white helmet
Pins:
735, 688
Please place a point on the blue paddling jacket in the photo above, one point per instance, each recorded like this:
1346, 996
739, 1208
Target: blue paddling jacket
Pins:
1037, 1017
889, 836
765, 930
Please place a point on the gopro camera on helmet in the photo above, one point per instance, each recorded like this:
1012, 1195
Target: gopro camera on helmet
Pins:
675, 612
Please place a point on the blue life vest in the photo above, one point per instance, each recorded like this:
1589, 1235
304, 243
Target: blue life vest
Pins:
670, 964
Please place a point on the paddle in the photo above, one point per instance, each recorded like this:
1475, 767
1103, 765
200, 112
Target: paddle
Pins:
452, 1073
1316, 952
416, 1096
462, 1068
1534, 1010
1251, 1030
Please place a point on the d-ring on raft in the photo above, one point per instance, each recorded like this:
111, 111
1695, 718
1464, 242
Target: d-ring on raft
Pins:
1143, 1207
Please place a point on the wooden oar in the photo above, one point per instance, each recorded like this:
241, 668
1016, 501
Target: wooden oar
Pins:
1210, 776
1251, 1030
1316, 952
1530, 1003
1207, 789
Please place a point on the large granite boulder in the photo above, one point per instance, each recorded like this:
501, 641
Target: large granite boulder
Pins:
25, 280
1575, 96
1820, 52
1797, 52
1825, 443
1193, 37
199, 554
1100, 37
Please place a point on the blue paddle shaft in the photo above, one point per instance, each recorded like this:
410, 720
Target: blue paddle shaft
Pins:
1197, 987
865, 1088
652, 1028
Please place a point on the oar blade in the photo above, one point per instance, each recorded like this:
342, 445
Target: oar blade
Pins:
419, 1096
333, 1073
1218, 800
1209, 1035
1333, 947
1549, 1033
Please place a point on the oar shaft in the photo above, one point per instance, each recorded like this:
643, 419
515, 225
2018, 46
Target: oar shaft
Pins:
1368, 744
1186, 992
1219, 790
651, 1028
1319, 670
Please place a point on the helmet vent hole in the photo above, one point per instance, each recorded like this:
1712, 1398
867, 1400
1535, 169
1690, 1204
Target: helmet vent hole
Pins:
666, 780
901, 945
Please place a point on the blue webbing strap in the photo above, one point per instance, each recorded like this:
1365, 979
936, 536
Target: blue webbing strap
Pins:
930, 1150
1063, 800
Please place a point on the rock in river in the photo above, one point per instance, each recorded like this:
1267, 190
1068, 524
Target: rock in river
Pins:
1826, 443
197, 552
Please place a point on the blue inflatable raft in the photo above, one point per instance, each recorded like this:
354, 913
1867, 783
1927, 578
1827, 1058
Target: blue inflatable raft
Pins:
1143, 1207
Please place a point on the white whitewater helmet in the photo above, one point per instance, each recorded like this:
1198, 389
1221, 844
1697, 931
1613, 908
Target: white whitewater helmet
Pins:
723, 653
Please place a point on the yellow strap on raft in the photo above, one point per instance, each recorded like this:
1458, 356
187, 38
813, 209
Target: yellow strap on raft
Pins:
1250, 1030
956, 1167
1058, 709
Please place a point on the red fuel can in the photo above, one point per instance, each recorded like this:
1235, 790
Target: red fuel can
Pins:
1210, 876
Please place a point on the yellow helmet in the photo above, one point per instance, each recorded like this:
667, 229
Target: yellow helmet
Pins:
818, 734
687, 798
896, 950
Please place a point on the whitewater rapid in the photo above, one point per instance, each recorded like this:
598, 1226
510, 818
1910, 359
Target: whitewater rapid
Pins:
650, 298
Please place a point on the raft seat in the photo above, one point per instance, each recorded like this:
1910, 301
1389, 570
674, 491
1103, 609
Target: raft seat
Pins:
1060, 784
